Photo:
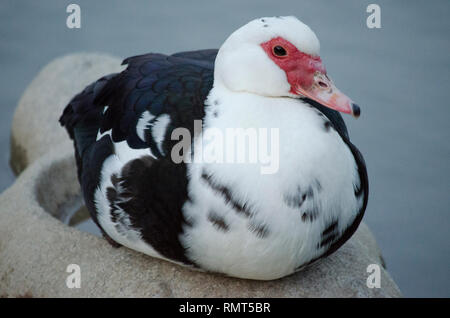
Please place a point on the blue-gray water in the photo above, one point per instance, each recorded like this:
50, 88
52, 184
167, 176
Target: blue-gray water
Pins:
399, 75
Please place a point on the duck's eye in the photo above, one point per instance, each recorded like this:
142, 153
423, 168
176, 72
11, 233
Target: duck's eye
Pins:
279, 51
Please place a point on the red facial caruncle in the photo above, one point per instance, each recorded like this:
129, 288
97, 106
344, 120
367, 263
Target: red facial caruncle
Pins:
307, 76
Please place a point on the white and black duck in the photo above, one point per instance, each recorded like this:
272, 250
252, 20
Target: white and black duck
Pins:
217, 217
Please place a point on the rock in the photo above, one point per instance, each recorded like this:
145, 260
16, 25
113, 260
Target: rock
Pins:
35, 127
36, 248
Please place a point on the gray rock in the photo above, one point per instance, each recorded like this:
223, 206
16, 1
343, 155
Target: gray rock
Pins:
35, 127
36, 248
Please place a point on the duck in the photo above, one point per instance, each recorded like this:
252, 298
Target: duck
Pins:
230, 218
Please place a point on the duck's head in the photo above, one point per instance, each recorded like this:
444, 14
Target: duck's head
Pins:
278, 57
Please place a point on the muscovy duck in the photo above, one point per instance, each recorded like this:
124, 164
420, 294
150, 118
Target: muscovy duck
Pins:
225, 218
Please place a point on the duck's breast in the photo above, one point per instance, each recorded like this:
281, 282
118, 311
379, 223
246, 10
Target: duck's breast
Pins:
264, 225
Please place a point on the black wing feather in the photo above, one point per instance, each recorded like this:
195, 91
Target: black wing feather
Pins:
174, 85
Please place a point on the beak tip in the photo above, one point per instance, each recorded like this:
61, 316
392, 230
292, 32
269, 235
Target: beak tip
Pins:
356, 111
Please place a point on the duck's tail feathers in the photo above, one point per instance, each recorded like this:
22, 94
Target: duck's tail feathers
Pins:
82, 117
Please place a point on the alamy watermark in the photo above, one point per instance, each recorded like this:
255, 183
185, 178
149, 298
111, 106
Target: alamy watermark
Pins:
374, 279
228, 146
374, 19
74, 279
73, 20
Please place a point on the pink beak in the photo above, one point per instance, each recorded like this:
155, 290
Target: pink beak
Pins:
326, 93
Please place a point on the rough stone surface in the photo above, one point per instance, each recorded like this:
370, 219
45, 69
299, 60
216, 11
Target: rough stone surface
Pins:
36, 248
35, 127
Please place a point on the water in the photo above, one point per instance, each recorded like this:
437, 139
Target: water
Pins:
398, 74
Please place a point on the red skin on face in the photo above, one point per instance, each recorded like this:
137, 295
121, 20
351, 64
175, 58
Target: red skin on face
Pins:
307, 77
298, 66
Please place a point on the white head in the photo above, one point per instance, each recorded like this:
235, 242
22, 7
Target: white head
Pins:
278, 57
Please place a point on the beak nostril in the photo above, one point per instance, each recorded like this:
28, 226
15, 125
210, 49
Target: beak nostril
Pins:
322, 84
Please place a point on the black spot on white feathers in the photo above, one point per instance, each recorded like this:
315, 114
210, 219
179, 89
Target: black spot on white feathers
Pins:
317, 185
241, 209
216, 113
260, 230
330, 228
218, 221
216, 102
327, 124
296, 200
328, 240
311, 213
262, 20
329, 234
332, 115
265, 25
309, 192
